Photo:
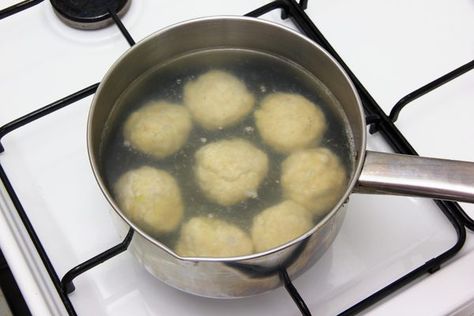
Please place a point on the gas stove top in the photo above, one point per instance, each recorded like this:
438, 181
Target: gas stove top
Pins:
393, 48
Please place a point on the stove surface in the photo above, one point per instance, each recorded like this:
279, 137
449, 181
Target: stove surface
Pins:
393, 47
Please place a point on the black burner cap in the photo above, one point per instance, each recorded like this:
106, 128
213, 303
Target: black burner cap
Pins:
89, 14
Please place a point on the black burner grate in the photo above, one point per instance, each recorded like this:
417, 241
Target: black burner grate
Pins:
375, 116
18, 7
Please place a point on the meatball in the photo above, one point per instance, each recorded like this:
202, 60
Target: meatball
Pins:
212, 237
218, 99
150, 198
159, 129
230, 171
288, 122
314, 178
280, 224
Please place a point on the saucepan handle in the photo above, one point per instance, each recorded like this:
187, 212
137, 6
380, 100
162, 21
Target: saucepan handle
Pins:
417, 176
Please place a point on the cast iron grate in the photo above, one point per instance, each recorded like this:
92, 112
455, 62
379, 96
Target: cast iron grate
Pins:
375, 117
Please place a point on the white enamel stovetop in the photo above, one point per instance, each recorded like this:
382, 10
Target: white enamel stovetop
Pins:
392, 46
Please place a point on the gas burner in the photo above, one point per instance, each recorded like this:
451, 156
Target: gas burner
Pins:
87, 14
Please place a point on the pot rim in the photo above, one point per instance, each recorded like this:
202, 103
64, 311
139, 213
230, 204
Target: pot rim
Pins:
359, 152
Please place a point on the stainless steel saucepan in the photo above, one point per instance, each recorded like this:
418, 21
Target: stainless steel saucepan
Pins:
373, 172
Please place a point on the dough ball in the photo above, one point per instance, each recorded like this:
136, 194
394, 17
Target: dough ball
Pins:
150, 198
288, 122
159, 129
218, 99
230, 171
279, 224
314, 178
211, 237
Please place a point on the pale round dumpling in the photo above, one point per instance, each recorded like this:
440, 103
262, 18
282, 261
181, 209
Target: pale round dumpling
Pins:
280, 224
288, 122
159, 129
230, 171
218, 99
212, 237
150, 198
314, 178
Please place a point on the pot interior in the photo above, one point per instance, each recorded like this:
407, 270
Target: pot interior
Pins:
244, 47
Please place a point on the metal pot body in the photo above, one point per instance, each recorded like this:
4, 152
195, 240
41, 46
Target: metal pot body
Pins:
371, 172
247, 275
237, 278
